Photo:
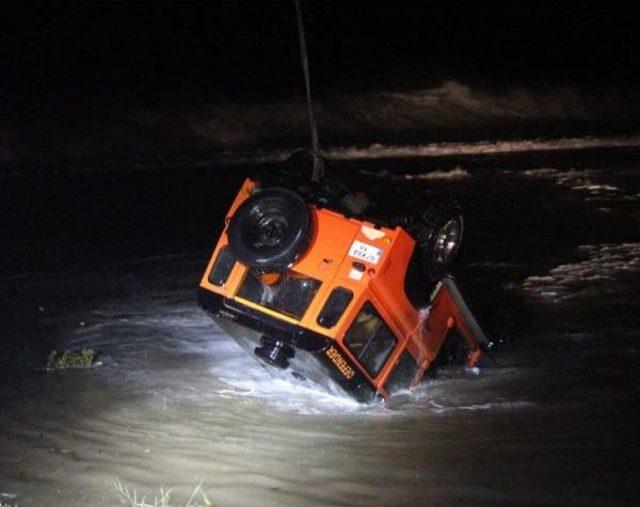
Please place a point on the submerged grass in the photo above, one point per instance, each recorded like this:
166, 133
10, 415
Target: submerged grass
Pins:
131, 498
69, 359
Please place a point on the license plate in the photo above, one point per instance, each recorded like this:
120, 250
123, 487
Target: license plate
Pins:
365, 252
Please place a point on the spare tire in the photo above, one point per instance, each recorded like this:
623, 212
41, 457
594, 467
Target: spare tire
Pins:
270, 230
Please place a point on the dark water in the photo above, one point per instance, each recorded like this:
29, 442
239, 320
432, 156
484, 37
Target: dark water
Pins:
550, 263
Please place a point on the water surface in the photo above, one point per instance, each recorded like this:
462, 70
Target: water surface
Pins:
551, 264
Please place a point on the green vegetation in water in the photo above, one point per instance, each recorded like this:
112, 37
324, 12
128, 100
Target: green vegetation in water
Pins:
69, 359
7, 496
130, 497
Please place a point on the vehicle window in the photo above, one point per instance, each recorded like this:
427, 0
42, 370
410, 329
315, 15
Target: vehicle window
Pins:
335, 306
222, 267
291, 294
403, 374
370, 339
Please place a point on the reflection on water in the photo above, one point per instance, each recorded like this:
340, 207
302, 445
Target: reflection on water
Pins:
177, 403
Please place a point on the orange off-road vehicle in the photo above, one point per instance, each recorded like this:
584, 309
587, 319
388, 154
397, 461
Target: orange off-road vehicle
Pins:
340, 300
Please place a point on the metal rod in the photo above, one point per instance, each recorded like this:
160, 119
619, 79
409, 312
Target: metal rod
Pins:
318, 163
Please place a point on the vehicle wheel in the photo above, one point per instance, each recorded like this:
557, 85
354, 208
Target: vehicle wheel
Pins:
438, 231
299, 165
270, 230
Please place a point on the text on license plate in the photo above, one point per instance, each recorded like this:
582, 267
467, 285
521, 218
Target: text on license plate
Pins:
365, 252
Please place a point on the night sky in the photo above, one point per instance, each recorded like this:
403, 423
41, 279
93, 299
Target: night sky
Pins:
82, 59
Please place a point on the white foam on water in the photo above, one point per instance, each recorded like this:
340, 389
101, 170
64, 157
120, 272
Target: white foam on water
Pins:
587, 184
479, 148
498, 405
155, 336
605, 265
442, 149
129, 334
160, 345
372, 151
244, 375
457, 173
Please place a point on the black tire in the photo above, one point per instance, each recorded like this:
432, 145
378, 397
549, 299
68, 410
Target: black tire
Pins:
299, 165
438, 231
270, 230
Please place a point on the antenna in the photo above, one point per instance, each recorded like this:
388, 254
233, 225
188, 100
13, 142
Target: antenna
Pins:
318, 163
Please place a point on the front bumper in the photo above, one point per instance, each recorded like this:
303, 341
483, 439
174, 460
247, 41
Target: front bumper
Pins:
317, 357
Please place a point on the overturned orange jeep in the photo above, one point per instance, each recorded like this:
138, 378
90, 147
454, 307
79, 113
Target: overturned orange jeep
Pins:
331, 297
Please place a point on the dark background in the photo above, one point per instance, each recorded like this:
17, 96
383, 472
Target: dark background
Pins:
72, 72
77, 59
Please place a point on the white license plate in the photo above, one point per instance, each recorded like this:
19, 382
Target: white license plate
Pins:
367, 253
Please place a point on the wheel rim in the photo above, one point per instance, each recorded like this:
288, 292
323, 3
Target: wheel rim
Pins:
447, 244
270, 231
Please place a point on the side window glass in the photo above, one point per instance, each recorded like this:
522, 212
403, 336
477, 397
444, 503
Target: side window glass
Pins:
403, 374
222, 267
335, 306
370, 339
